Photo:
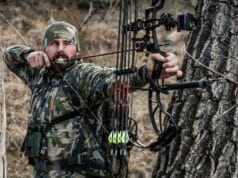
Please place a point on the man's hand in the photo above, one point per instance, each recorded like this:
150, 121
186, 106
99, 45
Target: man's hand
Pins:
170, 65
37, 59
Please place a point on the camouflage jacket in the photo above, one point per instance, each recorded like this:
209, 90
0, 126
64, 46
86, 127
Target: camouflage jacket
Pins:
52, 97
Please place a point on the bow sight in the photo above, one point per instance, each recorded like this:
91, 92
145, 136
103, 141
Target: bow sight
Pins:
185, 21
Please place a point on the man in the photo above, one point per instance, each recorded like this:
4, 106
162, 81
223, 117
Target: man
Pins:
65, 136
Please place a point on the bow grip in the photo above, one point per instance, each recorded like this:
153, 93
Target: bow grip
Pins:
157, 69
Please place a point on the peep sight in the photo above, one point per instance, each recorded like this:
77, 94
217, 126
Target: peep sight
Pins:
60, 60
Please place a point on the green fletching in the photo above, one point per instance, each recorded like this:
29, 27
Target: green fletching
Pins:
118, 137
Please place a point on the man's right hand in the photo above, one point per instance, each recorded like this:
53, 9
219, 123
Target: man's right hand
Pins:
38, 59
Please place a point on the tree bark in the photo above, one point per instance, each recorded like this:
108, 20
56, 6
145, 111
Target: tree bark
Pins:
2, 127
208, 118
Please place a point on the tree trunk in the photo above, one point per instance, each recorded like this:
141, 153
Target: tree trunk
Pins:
2, 127
208, 142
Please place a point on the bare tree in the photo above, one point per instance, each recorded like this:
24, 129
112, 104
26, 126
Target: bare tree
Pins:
2, 128
207, 144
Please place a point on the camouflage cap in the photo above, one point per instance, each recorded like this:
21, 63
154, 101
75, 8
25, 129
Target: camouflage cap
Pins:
58, 30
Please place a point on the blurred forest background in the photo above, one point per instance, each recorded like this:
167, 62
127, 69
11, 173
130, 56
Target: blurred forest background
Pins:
23, 22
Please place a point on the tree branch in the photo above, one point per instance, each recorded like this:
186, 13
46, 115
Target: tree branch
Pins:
204, 66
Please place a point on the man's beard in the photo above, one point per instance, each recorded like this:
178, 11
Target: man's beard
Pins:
60, 64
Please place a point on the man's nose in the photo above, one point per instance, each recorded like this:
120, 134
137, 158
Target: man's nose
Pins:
61, 47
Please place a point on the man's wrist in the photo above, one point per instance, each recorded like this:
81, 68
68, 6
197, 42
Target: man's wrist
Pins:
25, 53
143, 73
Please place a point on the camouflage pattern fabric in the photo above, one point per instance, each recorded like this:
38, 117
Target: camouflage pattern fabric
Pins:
50, 100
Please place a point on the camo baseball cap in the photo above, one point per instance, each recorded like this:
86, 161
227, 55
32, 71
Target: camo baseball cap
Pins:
60, 29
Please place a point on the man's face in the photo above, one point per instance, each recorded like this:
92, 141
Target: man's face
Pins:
60, 48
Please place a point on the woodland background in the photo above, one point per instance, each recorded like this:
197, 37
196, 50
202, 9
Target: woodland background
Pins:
24, 22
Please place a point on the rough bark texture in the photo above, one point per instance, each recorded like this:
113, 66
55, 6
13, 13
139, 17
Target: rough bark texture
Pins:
207, 145
2, 128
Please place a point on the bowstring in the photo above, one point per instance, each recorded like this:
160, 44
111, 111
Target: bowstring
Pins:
115, 120
133, 57
125, 61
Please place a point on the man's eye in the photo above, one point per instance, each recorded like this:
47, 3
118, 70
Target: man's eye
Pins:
67, 42
54, 43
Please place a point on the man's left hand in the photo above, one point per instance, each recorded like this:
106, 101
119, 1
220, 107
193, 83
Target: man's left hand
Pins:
170, 65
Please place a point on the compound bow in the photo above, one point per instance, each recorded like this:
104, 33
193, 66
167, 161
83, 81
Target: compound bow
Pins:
124, 133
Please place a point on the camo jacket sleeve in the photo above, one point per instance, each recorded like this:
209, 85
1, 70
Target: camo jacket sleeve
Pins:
14, 59
95, 82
